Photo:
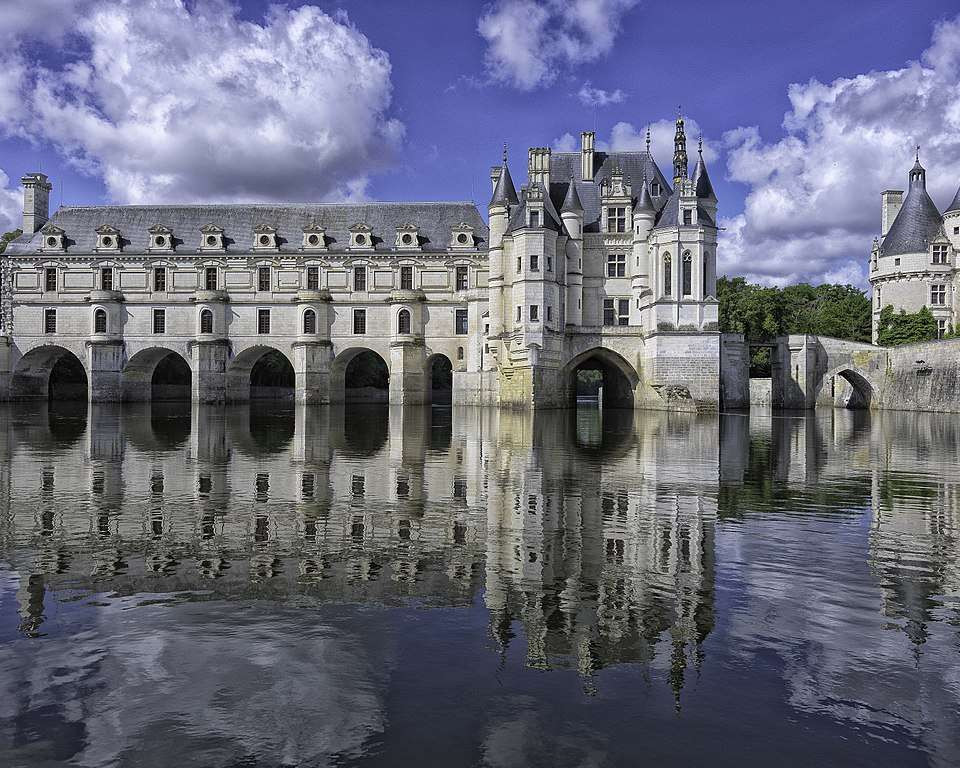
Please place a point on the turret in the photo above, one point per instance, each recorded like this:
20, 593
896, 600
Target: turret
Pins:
503, 199
643, 217
701, 184
571, 212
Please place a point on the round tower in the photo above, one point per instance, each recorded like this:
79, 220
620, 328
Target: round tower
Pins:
572, 215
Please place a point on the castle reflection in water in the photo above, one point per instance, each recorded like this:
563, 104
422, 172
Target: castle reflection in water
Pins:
591, 539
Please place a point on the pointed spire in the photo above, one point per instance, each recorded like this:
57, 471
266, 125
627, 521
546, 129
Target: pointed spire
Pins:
955, 205
701, 180
644, 203
679, 153
504, 193
648, 139
918, 174
571, 203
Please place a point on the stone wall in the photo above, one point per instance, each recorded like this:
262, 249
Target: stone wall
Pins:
734, 371
922, 377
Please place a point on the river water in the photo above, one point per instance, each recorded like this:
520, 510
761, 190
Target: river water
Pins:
418, 587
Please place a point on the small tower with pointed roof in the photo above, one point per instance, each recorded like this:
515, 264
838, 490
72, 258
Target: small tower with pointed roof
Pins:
503, 201
571, 212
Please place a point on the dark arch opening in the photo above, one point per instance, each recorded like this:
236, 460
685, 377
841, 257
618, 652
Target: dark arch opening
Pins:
272, 377
441, 380
68, 380
597, 381
366, 379
171, 379
857, 396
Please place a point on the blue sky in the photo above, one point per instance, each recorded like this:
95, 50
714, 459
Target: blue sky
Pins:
166, 101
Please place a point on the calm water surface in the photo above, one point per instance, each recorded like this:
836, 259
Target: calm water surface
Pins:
330, 586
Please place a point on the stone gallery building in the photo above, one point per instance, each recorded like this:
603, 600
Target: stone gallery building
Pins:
598, 263
913, 263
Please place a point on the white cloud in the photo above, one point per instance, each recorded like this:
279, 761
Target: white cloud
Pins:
598, 97
177, 102
814, 202
11, 205
529, 41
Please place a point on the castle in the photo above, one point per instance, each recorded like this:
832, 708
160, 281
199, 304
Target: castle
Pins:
598, 263
912, 264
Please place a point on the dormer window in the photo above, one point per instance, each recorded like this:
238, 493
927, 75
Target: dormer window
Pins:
940, 253
161, 238
688, 217
314, 238
361, 237
265, 238
408, 238
462, 236
211, 238
655, 189
616, 219
108, 238
53, 238
534, 218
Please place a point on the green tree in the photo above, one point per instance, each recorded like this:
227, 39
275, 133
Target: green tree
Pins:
904, 327
7, 237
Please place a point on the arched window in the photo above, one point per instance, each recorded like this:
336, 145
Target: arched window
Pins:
403, 322
309, 321
667, 275
206, 321
687, 274
100, 321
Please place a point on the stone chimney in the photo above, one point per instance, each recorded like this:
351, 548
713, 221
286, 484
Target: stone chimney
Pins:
538, 166
586, 155
36, 201
892, 200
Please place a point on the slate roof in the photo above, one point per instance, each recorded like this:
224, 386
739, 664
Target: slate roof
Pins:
504, 193
670, 214
701, 180
955, 205
435, 221
571, 202
564, 165
551, 219
917, 222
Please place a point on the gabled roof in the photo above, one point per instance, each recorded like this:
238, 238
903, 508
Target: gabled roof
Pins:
917, 222
434, 220
633, 165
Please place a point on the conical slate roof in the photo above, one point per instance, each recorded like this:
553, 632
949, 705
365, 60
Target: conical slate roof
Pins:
918, 221
701, 181
955, 205
644, 203
571, 203
504, 193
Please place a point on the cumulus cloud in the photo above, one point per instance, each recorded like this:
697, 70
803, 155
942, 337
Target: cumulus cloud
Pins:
813, 205
11, 203
530, 41
179, 102
598, 97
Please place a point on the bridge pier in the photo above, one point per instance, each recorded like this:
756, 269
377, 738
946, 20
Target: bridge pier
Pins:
311, 367
409, 382
208, 361
105, 361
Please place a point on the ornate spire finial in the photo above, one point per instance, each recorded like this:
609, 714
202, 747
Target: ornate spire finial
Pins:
679, 154
918, 153
700, 144
504, 153
648, 138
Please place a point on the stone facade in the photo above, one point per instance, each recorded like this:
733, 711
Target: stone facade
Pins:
914, 262
598, 263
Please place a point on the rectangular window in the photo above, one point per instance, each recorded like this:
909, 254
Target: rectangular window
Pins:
313, 278
534, 218
938, 295
616, 265
896, 262
549, 263
534, 312
210, 278
519, 314
549, 313
106, 279
360, 321
941, 328
263, 321
406, 278
359, 278
623, 311
687, 217
263, 279
609, 312
159, 279
159, 321
50, 321
461, 322
878, 297
50, 279
940, 254
462, 277
519, 264
616, 219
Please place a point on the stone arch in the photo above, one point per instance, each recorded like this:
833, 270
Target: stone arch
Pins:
260, 372
156, 373
439, 378
618, 379
862, 390
49, 372
359, 374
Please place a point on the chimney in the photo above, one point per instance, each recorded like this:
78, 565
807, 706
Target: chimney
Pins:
586, 155
495, 172
538, 166
892, 200
36, 201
